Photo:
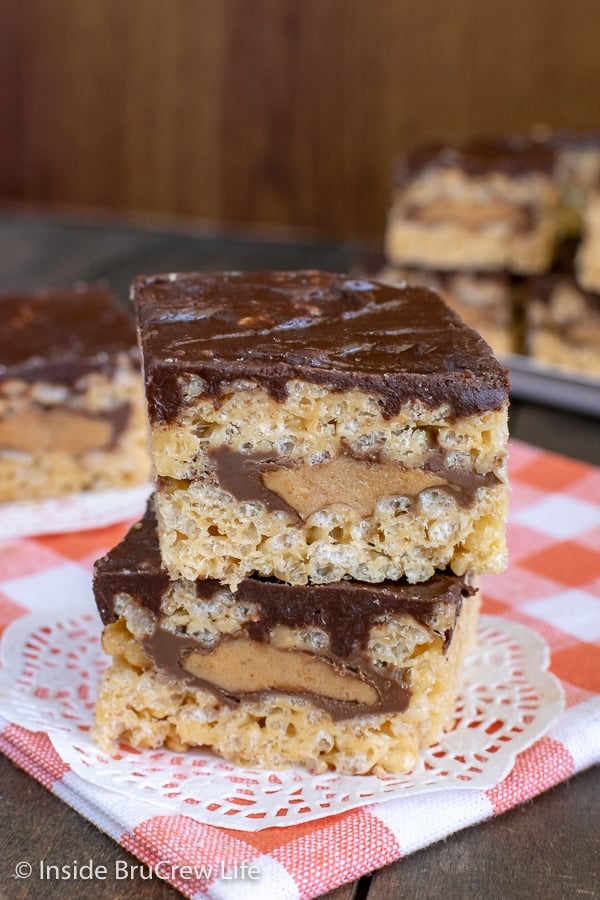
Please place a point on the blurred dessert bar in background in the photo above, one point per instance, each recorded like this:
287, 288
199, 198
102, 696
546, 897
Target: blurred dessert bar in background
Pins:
483, 205
311, 427
576, 172
563, 324
481, 221
351, 676
71, 402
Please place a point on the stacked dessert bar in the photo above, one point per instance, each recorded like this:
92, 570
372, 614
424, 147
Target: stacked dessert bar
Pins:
467, 217
71, 398
482, 221
330, 461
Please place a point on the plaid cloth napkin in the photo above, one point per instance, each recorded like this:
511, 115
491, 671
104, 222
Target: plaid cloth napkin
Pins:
553, 586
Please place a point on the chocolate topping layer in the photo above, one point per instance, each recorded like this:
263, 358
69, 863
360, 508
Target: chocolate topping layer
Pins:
398, 343
59, 336
345, 610
514, 156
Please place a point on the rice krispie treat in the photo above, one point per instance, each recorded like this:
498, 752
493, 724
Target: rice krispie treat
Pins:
485, 301
483, 205
562, 324
347, 676
307, 426
72, 411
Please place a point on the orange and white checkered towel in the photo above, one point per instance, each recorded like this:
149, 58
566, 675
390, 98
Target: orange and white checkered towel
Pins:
552, 585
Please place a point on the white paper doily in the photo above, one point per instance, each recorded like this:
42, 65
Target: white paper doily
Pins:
74, 512
50, 677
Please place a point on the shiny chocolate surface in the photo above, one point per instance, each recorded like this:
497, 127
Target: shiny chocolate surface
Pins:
60, 335
398, 343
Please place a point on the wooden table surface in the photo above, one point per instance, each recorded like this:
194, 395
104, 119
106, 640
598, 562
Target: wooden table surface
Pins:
546, 849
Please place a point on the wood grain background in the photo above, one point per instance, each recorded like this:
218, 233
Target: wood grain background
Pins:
272, 111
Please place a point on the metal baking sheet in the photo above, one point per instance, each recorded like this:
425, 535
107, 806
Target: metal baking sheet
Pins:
531, 380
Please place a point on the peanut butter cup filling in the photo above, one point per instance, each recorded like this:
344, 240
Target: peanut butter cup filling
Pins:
358, 483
